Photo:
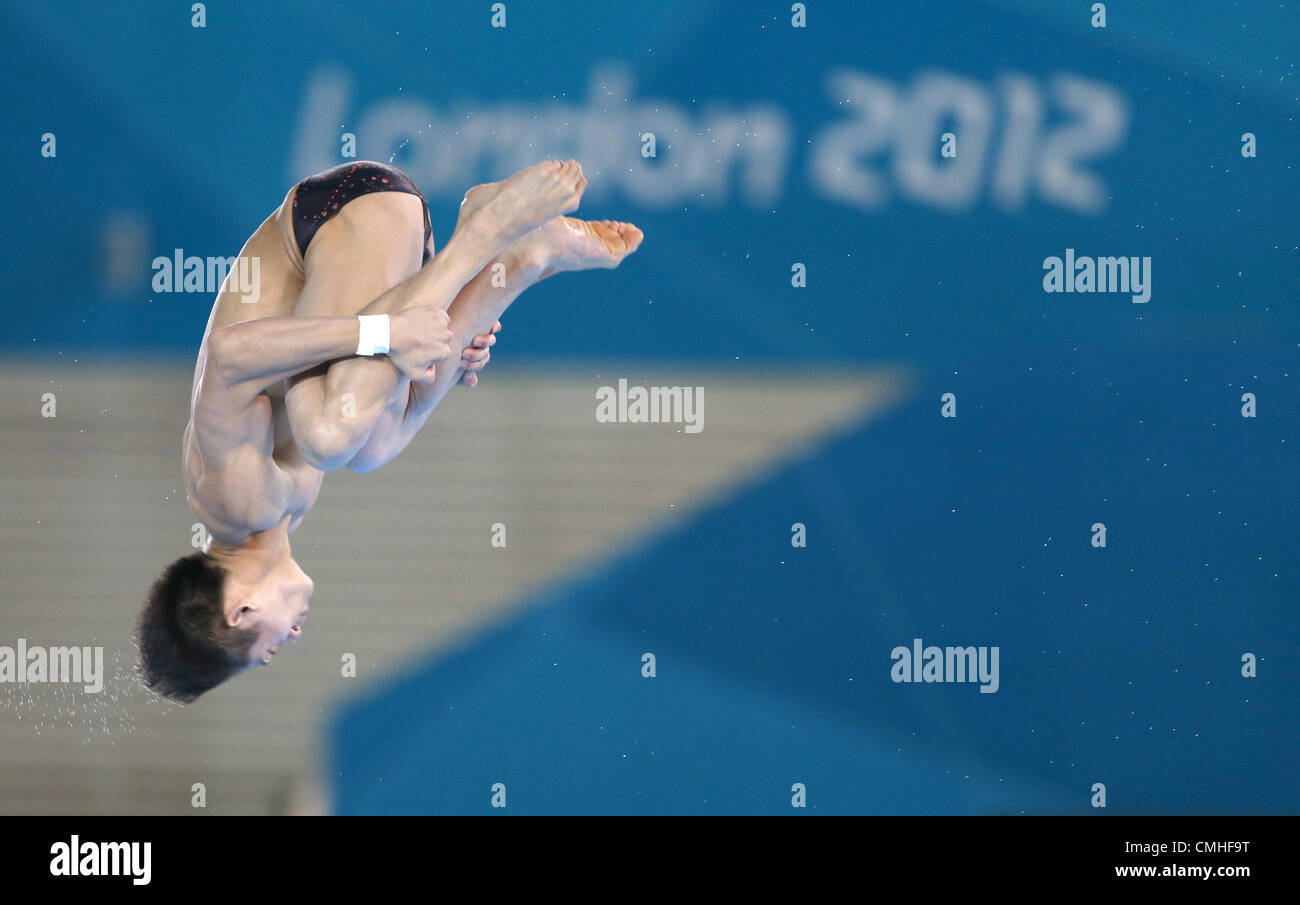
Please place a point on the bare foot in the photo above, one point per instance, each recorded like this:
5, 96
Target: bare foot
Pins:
526, 200
475, 198
565, 243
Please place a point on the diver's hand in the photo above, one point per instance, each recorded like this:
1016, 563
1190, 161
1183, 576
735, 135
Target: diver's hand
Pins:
418, 339
477, 354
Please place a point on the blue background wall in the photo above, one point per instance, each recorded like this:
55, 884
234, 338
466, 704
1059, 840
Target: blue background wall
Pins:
1118, 665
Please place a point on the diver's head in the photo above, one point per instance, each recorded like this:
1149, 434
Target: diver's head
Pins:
271, 603
209, 617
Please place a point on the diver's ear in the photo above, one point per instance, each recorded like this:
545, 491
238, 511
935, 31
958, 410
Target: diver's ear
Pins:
242, 615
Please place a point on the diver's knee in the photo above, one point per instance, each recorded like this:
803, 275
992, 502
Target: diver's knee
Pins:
330, 443
366, 460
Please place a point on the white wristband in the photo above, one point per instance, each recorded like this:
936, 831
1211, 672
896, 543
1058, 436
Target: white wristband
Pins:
373, 339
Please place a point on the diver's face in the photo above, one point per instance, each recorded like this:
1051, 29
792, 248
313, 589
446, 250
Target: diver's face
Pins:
275, 609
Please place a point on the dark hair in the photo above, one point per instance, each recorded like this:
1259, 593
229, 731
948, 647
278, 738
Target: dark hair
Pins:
186, 647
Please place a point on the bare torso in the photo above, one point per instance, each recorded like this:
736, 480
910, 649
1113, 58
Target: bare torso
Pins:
251, 485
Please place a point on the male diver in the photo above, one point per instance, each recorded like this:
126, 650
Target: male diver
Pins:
336, 361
